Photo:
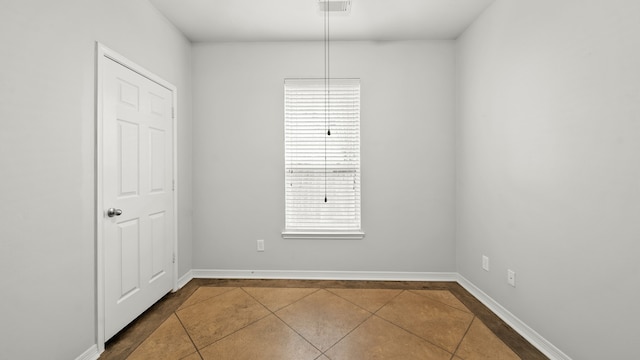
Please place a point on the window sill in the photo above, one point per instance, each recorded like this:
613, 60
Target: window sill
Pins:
323, 235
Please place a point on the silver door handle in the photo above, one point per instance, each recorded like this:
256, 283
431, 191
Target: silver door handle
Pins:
111, 212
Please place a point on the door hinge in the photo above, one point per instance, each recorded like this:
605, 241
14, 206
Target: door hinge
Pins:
174, 258
173, 113
173, 185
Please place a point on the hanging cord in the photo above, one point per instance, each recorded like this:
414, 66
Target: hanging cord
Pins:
328, 76
326, 94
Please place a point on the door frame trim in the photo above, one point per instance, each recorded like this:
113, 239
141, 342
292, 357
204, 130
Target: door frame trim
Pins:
104, 54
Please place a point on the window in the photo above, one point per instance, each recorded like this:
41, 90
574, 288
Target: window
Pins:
318, 165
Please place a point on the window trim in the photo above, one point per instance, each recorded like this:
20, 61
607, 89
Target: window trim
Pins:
328, 234
323, 235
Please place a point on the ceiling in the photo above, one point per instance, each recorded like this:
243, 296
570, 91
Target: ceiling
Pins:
291, 20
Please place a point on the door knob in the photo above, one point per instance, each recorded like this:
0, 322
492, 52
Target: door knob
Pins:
111, 212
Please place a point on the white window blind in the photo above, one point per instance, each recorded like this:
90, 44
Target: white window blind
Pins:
317, 164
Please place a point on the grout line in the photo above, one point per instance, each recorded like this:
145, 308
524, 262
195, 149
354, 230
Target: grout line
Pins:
281, 320
411, 332
203, 300
187, 332
463, 336
144, 318
246, 326
182, 324
238, 330
304, 297
348, 333
196, 352
295, 331
517, 343
389, 302
256, 300
442, 302
414, 334
302, 336
372, 312
286, 306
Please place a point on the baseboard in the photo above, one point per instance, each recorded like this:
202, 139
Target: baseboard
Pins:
324, 275
91, 354
184, 279
518, 325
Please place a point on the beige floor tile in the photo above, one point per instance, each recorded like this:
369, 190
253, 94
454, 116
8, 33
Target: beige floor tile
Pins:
432, 320
323, 318
193, 356
204, 293
277, 298
322, 357
481, 343
217, 317
444, 296
169, 341
266, 339
377, 339
369, 299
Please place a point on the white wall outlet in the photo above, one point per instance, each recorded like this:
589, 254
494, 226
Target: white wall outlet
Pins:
511, 277
261, 245
485, 263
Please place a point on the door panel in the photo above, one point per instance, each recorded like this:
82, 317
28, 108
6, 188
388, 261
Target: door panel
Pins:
128, 159
128, 243
156, 160
137, 177
158, 250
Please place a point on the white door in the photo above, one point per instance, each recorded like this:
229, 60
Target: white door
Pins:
137, 194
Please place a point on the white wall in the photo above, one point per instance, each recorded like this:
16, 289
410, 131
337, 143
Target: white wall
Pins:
548, 164
407, 151
47, 90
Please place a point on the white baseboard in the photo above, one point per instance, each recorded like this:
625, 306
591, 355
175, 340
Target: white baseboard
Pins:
184, 279
518, 325
324, 275
92, 353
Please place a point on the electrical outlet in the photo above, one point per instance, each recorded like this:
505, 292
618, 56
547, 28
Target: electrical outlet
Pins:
260, 245
485, 263
511, 277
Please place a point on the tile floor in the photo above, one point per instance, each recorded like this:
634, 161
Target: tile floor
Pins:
324, 323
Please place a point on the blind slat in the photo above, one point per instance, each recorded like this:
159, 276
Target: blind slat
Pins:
315, 161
